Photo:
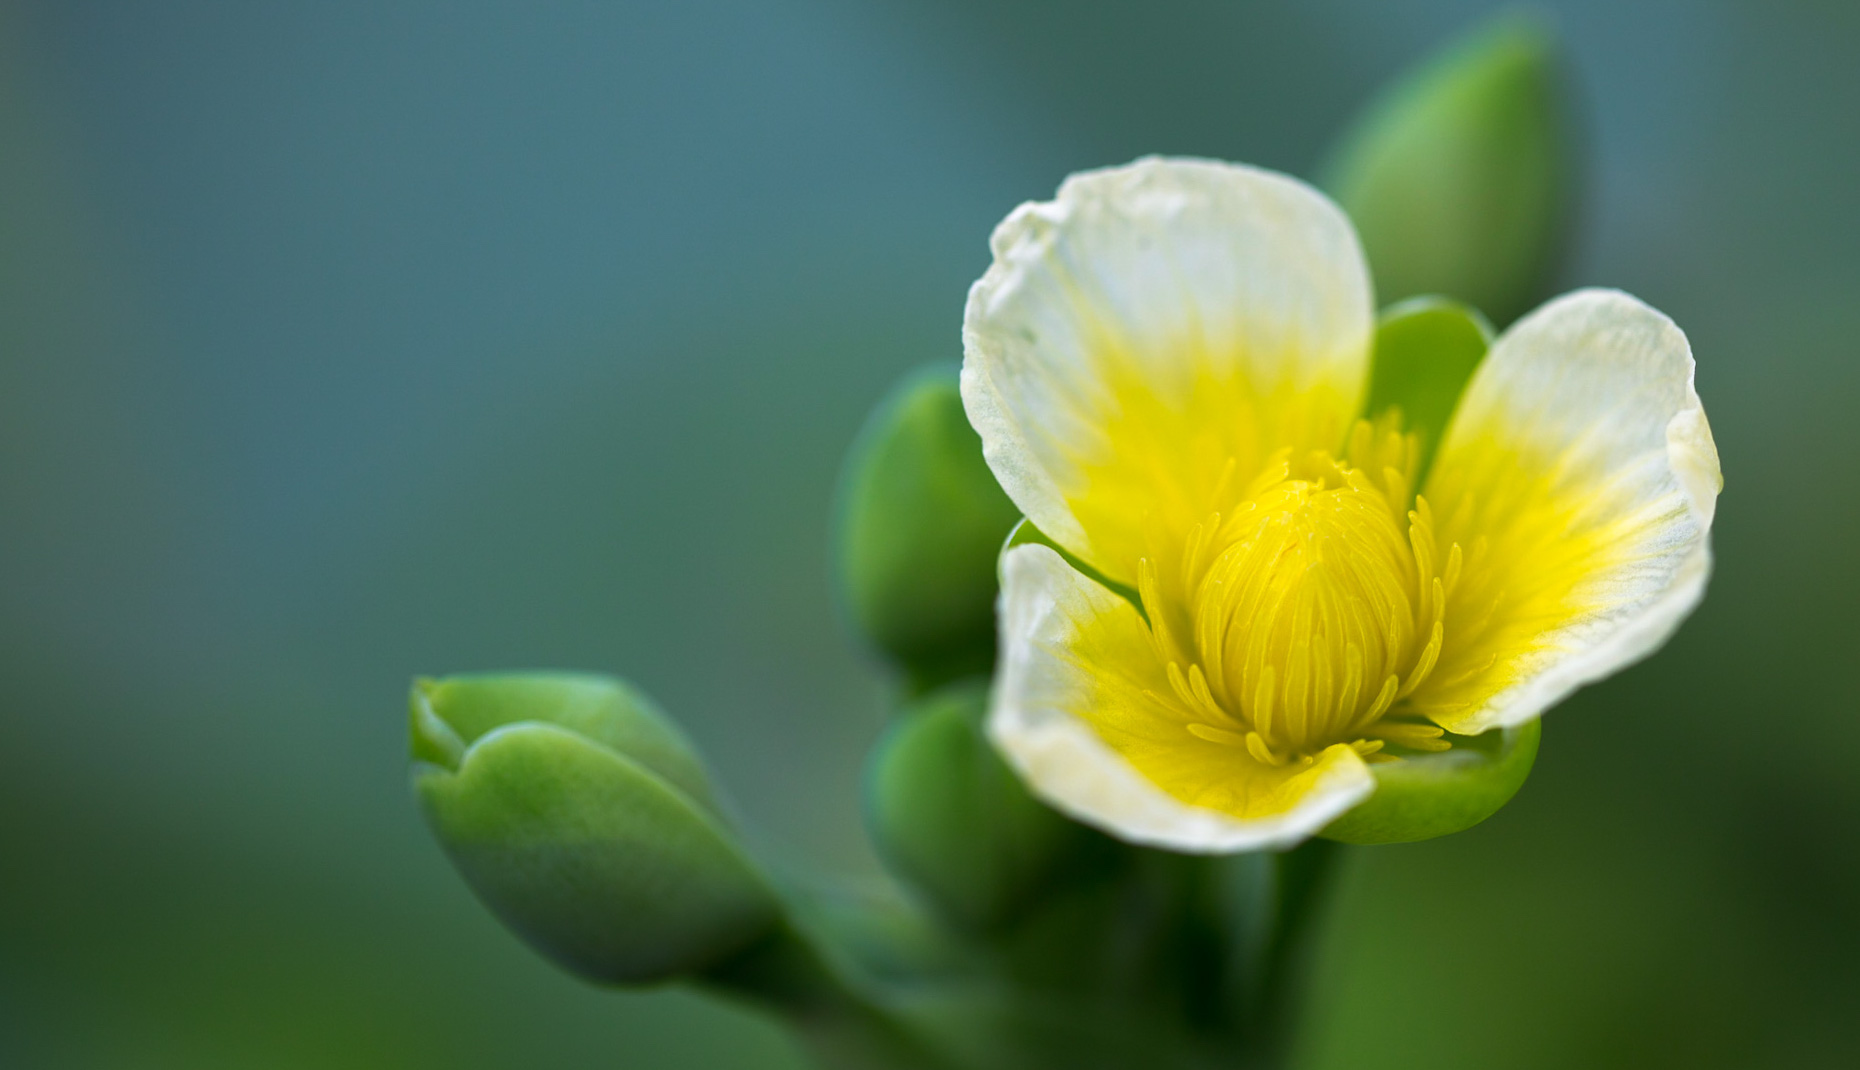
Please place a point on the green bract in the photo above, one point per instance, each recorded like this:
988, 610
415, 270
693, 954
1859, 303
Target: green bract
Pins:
920, 521
1458, 178
952, 819
582, 818
1432, 795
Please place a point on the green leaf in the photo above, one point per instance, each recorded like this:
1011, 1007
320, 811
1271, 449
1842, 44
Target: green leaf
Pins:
954, 821
1458, 176
1431, 795
921, 520
1426, 350
562, 800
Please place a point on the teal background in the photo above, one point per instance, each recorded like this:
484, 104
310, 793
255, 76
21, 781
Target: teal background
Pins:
344, 342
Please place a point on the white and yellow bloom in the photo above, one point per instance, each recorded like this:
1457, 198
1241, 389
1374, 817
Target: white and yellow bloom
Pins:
1167, 366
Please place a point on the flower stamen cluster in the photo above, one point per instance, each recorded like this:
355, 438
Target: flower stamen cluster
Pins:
1299, 617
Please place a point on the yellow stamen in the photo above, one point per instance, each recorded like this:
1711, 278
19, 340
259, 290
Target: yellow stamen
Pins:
1217, 735
1257, 747
1414, 736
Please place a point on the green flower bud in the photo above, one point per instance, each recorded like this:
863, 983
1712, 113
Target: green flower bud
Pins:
921, 520
954, 821
1432, 795
584, 821
1426, 350
1458, 175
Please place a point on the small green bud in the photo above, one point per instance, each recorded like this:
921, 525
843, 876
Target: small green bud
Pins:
1458, 175
921, 520
1426, 350
1432, 795
953, 820
583, 819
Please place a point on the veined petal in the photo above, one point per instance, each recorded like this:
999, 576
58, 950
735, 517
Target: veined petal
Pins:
1083, 709
1579, 479
1143, 344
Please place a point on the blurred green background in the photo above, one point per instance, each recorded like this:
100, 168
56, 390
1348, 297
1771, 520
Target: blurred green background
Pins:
344, 342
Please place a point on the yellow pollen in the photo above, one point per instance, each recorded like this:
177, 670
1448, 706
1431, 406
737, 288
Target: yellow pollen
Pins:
1301, 615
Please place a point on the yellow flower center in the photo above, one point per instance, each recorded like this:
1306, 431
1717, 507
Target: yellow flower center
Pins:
1301, 615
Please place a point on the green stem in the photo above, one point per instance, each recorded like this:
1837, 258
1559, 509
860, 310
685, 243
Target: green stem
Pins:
782, 973
1301, 880
844, 1021
1134, 970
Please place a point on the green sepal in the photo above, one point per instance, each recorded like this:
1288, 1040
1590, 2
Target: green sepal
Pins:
1426, 350
1458, 176
1424, 796
570, 818
921, 519
951, 819
1025, 534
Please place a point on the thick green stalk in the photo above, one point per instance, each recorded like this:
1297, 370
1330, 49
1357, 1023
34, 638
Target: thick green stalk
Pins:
841, 1019
1159, 960
1301, 881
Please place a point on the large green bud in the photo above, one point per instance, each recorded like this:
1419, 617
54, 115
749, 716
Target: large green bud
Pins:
921, 520
584, 820
1458, 176
953, 820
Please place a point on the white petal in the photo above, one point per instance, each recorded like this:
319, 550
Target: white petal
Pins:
1581, 455
1157, 329
1076, 697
